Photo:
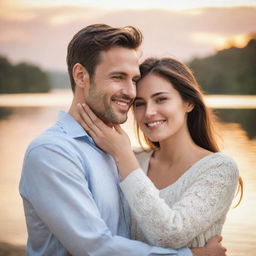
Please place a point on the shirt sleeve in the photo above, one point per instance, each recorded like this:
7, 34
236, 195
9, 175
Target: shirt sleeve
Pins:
54, 183
205, 201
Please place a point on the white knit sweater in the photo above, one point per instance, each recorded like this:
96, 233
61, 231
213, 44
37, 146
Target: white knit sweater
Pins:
186, 213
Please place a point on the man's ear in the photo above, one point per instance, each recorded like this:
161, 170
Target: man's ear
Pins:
80, 75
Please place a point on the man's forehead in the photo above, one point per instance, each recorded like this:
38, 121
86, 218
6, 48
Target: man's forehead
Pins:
119, 53
120, 59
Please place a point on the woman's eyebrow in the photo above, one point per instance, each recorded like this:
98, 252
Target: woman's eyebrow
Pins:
153, 95
159, 93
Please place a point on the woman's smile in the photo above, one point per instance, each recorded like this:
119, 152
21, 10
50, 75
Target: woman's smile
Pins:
155, 123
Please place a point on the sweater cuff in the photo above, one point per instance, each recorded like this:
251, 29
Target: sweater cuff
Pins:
136, 181
134, 176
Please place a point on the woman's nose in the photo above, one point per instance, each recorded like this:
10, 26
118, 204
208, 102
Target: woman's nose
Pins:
150, 110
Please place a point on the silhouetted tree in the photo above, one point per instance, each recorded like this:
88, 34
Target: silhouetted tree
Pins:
230, 71
22, 78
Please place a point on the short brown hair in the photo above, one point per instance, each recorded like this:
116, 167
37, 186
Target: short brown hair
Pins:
86, 45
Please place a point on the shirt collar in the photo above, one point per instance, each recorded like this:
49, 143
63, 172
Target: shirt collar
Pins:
71, 127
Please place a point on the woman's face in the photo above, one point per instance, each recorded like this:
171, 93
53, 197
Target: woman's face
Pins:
159, 109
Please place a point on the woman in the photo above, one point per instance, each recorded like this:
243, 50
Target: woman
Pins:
180, 190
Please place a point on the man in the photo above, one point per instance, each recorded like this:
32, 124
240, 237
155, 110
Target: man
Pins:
70, 188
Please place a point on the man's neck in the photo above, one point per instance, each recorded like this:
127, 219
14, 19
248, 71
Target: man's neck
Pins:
73, 110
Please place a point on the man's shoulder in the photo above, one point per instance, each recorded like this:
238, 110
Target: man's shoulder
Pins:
51, 137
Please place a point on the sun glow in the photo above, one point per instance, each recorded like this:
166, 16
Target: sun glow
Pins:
220, 42
239, 41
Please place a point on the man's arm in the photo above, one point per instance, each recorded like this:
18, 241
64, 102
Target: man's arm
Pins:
53, 181
212, 248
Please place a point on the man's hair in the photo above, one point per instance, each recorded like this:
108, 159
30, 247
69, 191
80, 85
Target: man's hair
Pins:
86, 45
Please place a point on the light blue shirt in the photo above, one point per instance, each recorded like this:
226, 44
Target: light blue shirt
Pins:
72, 200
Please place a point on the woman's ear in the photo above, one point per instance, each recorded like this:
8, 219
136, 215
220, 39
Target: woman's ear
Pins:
80, 75
190, 106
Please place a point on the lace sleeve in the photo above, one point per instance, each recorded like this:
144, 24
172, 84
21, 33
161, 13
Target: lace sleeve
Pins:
205, 201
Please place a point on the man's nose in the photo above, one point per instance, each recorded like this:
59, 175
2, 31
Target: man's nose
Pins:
130, 89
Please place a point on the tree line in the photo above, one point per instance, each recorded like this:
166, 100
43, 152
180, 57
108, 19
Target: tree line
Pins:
230, 71
22, 78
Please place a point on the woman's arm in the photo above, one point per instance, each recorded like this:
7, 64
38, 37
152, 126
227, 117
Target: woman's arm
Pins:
202, 204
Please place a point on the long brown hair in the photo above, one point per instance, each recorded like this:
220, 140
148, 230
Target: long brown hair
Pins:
180, 76
200, 119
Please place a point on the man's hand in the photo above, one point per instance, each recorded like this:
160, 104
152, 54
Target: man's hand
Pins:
213, 247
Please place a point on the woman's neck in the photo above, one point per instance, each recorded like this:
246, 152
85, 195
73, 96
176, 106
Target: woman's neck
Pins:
179, 147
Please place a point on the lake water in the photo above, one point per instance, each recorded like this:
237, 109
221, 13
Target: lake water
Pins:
24, 117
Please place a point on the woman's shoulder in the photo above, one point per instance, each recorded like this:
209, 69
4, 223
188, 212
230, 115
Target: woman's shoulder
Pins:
223, 162
221, 158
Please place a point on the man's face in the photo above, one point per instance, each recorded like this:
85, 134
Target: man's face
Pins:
114, 84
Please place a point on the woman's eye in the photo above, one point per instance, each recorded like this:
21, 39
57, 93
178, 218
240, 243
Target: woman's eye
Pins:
138, 104
162, 99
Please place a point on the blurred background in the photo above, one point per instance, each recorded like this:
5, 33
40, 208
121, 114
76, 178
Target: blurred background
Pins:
216, 38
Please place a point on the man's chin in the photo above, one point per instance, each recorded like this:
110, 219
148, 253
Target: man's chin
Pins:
120, 120
112, 120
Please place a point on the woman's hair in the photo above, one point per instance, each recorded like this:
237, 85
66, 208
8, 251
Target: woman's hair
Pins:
200, 119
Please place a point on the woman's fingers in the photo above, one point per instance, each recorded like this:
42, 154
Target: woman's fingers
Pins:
86, 122
216, 238
109, 139
94, 119
118, 128
86, 118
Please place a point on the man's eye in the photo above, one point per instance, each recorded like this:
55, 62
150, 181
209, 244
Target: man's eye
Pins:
117, 77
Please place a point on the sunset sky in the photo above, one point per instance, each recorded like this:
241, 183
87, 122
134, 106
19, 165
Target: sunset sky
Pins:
39, 31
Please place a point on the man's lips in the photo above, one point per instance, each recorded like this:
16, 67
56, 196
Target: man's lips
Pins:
122, 102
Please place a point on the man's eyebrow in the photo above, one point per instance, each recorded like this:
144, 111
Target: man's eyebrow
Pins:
135, 78
118, 73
